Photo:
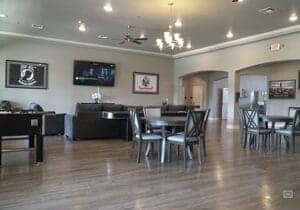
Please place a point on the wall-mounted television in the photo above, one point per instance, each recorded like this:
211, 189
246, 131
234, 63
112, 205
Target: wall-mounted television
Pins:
94, 73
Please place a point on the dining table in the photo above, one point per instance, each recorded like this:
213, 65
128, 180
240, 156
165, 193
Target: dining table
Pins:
164, 123
273, 119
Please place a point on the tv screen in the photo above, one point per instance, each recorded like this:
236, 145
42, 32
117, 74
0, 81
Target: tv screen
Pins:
94, 73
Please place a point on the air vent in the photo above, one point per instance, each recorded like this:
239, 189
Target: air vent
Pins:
267, 11
38, 26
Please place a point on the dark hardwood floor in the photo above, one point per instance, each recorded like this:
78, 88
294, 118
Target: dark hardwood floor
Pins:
101, 174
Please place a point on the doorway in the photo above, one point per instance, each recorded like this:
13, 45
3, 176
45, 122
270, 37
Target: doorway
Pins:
197, 95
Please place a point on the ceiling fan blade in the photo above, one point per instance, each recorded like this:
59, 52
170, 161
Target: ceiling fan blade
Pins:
137, 42
141, 39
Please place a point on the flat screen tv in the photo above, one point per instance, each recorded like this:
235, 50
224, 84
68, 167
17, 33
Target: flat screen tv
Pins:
94, 73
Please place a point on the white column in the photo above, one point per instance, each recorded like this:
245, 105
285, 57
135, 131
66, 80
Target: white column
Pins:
232, 113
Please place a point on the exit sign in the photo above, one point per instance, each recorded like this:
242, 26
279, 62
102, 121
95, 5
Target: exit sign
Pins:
276, 47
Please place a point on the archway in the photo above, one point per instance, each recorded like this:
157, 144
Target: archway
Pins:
208, 89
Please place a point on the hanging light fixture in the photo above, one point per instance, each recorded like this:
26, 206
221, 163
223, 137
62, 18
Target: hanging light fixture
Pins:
170, 39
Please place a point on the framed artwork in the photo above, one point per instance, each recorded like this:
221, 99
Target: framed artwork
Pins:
282, 89
145, 83
25, 74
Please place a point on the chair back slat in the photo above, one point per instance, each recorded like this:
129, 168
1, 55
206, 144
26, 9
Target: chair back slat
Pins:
251, 118
194, 123
292, 111
205, 120
135, 123
296, 123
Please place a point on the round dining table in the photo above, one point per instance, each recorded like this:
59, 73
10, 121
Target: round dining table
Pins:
163, 123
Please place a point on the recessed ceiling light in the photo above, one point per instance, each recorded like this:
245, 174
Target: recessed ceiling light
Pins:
81, 26
2, 15
38, 26
107, 7
189, 45
229, 35
178, 23
142, 35
101, 36
293, 17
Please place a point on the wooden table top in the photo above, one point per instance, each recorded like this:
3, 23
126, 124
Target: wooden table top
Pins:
167, 121
277, 118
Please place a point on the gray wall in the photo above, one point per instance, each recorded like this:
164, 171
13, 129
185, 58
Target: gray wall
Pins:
233, 59
278, 71
62, 95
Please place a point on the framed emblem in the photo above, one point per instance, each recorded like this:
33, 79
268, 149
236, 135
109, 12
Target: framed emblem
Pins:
145, 83
24, 74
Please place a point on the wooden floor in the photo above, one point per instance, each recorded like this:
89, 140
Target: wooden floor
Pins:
101, 174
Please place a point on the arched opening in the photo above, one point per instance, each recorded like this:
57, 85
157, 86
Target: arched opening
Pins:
258, 80
208, 89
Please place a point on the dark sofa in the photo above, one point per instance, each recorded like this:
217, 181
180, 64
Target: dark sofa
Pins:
107, 120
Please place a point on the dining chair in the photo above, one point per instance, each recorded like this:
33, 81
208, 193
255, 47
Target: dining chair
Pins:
152, 112
191, 136
203, 131
138, 136
292, 131
243, 128
254, 129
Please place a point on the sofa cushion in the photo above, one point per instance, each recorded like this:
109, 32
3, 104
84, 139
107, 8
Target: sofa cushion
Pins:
88, 107
176, 108
113, 107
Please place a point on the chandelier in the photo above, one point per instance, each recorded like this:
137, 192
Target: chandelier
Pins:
171, 39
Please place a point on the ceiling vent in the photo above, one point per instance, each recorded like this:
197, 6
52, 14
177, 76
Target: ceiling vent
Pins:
38, 26
267, 11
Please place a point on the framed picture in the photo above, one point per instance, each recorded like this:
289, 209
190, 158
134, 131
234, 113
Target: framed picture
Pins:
282, 89
25, 74
145, 83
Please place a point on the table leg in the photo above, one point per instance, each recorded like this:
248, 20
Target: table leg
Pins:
163, 145
0, 150
31, 141
39, 148
189, 152
149, 147
273, 134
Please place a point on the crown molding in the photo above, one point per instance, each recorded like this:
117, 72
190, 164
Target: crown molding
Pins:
246, 40
120, 49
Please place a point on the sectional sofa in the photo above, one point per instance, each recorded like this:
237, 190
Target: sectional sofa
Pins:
107, 120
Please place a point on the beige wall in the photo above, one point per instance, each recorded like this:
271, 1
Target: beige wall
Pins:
278, 71
62, 95
235, 58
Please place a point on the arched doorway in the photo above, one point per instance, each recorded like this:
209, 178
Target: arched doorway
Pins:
208, 89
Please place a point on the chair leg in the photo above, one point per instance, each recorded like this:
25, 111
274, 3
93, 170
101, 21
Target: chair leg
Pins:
199, 152
204, 145
139, 152
169, 152
184, 155
293, 142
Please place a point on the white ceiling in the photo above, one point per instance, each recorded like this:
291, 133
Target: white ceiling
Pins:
205, 22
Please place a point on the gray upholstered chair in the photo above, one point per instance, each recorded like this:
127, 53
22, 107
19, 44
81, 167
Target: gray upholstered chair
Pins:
191, 135
254, 129
203, 131
292, 131
138, 136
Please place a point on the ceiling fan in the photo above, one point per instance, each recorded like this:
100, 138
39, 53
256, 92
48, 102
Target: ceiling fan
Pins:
129, 38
